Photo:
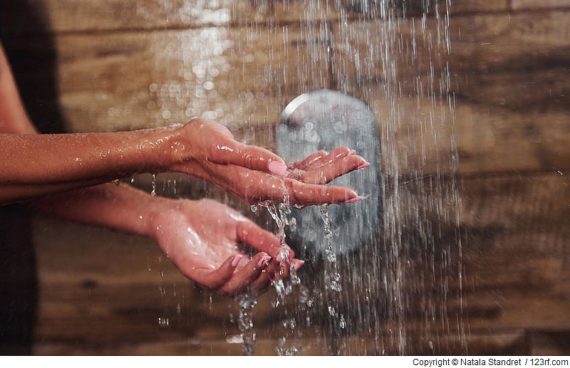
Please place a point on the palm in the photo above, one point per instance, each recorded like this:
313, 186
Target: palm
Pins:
201, 238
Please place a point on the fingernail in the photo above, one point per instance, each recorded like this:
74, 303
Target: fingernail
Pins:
236, 260
264, 261
353, 200
277, 168
364, 165
298, 263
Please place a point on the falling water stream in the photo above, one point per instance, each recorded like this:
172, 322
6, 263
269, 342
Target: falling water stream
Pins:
401, 292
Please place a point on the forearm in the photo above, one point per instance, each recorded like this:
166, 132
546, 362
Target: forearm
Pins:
81, 166
16, 193
60, 158
120, 207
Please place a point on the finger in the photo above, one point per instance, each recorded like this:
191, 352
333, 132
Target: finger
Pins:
281, 270
312, 194
254, 236
296, 192
217, 278
291, 265
309, 160
297, 263
334, 169
336, 154
247, 274
255, 186
263, 281
251, 157
261, 159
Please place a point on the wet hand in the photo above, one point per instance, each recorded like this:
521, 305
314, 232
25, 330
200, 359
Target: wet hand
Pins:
201, 141
202, 237
257, 175
322, 167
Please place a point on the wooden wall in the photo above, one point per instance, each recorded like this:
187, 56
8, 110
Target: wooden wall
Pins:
125, 64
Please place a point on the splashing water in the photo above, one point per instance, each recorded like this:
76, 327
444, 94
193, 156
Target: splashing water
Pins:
401, 292
280, 213
245, 322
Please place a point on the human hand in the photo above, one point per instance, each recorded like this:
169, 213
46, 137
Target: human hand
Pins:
247, 171
201, 238
322, 167
201, 141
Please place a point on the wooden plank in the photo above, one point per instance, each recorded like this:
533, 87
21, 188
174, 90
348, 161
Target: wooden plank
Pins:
500, 344
419, 7
545, 343
60, 16
517, 251
514, 60
419, 135
228, 81
134, 80
506, 95
544, 4
474, 6
64, 16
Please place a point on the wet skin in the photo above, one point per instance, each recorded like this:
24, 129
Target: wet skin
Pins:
68, 175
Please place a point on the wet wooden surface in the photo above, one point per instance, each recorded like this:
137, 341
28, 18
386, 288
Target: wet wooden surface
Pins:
125, 65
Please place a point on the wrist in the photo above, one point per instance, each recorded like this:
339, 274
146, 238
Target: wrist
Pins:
161, 148
168, 211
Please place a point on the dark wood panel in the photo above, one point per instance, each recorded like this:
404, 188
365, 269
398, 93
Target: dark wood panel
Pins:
421, 136
115, 15
499, 344
516, 60
134, 80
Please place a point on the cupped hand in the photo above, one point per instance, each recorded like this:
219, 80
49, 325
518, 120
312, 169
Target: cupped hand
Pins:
257, 175
202, 237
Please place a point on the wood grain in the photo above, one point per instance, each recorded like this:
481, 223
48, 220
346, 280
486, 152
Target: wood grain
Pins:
524, 53
76, 16
419, 135
135, 80
490, 344
533, 4
65, 16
